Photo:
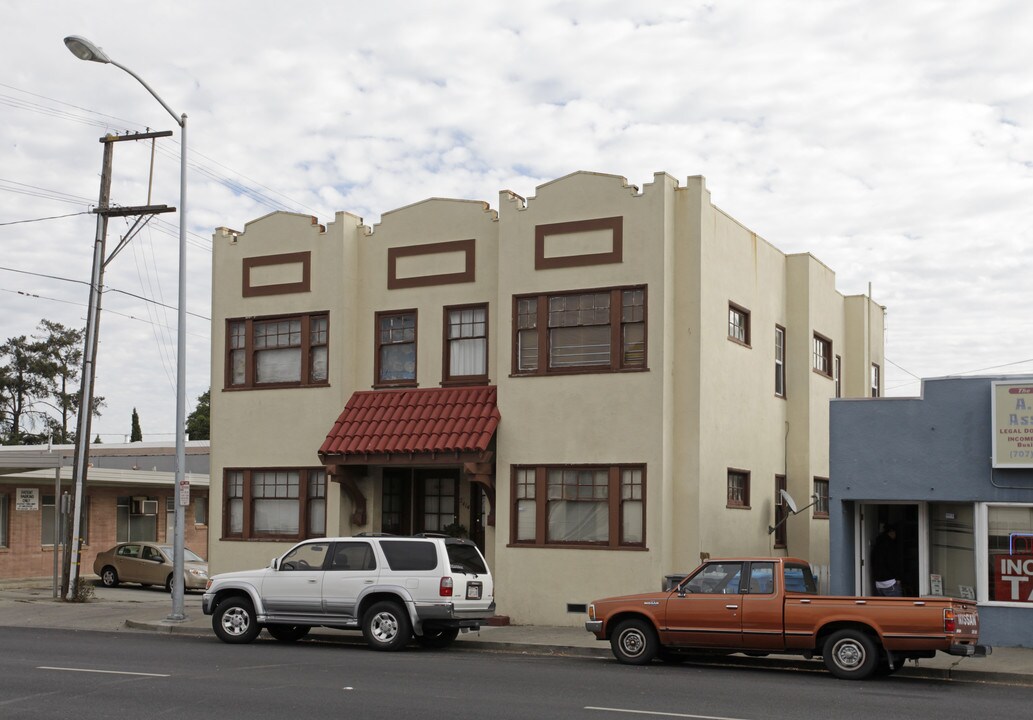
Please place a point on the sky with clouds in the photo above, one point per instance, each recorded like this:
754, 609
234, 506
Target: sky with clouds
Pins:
892, 140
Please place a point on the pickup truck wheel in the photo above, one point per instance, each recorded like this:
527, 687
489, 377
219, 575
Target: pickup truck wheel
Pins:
634, 642
288, 633
439, 638
234, 621
850, 655
386, 626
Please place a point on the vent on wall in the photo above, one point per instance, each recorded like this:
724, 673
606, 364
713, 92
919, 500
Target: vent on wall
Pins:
577, 608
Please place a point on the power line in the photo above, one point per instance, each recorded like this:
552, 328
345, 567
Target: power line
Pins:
106, 290
52, 217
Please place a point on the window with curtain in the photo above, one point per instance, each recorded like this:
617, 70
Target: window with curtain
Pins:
274, 502
738, 489
585, 331
589, 506
283, 503
821, 505
466, 344
274, 352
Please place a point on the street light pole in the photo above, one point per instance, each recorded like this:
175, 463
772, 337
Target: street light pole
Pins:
86, 50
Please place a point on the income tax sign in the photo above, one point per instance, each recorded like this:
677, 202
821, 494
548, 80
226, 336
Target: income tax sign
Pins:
1011, 410
1013, 578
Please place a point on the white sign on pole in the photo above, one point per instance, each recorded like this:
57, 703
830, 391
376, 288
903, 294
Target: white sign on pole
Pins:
184, 492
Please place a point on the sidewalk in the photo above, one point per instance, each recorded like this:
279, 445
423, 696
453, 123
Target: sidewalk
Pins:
135, 610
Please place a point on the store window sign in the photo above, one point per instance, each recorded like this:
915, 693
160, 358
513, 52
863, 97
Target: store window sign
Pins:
1013, 578
1012, 424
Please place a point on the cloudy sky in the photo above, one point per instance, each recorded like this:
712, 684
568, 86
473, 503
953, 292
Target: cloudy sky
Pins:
893, 140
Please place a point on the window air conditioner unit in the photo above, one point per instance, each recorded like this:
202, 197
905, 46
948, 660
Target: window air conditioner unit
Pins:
145, 507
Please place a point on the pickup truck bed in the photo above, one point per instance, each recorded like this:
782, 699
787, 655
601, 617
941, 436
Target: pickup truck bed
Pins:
771, 605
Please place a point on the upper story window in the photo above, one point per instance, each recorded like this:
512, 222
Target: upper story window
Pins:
466, 344
738, 324
593, 331
274, 352
839, 376
780, 361
876, 381
738, 489
396, 348
821, 493
822, 355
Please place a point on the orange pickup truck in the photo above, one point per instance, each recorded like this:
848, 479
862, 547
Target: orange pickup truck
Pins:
760, 606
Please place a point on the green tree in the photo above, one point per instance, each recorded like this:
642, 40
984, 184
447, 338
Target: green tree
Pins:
23, 386
199, 421
136, 435
38, 396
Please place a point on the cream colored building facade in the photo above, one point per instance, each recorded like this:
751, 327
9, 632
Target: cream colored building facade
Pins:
660, 372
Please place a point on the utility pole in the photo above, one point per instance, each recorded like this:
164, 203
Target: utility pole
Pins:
82, 446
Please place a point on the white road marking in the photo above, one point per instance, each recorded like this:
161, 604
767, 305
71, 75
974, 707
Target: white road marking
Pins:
664, 714
106, 672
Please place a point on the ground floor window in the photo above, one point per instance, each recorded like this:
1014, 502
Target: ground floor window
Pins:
283, 503
952, 555
136, 519
49, 518
3, 520
1010, 550
580, 505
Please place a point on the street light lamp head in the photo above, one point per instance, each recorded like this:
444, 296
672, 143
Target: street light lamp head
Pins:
85, 50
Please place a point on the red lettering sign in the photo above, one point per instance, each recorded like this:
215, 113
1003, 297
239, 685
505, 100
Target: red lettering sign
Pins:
1013, 578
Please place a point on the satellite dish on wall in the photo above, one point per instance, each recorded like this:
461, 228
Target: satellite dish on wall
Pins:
788, 500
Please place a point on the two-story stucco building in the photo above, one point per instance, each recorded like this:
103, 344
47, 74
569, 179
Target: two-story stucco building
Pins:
599, 384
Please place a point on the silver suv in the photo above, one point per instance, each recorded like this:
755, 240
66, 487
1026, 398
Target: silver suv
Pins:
390, 587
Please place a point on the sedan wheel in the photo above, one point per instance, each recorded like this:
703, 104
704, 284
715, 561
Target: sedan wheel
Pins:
634, 642
108, 577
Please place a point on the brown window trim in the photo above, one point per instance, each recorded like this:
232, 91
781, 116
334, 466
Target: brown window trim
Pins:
616, 340
303, 285
829, 357
446, 348
468, 274
406, 382
614, 224
746, 325
745, 504
780, 365
781, 513
821, 514
614, 499
249, 353
248, 514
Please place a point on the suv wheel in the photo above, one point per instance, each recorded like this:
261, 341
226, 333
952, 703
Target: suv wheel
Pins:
438, 637
234, 621
386, 626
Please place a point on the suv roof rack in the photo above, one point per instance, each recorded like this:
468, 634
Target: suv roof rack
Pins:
373, 534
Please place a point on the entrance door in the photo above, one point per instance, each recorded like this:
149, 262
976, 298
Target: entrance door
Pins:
875, 518
417, 501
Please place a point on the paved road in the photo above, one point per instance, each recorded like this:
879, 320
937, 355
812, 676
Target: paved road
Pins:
49, 673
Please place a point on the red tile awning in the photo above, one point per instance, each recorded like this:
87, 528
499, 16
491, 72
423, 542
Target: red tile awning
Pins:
380, 424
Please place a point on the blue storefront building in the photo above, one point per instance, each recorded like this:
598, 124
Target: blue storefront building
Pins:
952, 470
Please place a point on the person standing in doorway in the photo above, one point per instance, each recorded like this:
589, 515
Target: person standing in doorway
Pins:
886, 563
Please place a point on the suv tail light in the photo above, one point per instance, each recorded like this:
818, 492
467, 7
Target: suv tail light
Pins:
445, 588
950, 623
